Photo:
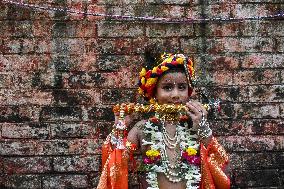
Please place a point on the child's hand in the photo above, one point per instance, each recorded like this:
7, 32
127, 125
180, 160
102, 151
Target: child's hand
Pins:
196, 110
128, 119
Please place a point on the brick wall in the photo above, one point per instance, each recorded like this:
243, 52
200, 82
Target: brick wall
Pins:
61, 73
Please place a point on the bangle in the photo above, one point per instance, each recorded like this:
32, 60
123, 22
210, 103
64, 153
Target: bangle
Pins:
204, 130
203, 134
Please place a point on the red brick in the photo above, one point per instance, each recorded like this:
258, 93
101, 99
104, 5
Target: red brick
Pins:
25, 97
86, 62
266, 93
277, 28
252, 143
21, 131
224, 62
65, 181
236, 94
260, 160
259, 76
282, 110
249, 10
219, 29
191, 45
71, 130
4, 29
100, 113
112, 96
248, 111
22, 181
32, 112
117, 63
279, 43
71, 46
109, 2
72, 97
221, 10
73, 63
77, 163
43, 28
272, 127
12, 46
173, 30
106, 29
18, 114
86, 80
265, 178
27, 165
26, 64
68, 147
97, 8
257, 28
163, 44
43, 46
222, 78
4, 10
114, 46
5, 79
58, 113
257, 60
19, 148
154, 10
278, 61
21, 28
226, 128
74, 29
215, 46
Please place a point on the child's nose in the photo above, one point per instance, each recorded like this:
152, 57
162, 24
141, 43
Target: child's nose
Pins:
175, 93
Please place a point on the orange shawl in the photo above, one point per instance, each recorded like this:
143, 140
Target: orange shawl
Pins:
213, 161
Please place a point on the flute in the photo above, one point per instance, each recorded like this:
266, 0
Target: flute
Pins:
158, 108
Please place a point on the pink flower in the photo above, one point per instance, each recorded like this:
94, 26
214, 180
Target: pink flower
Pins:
191, 159
148, 160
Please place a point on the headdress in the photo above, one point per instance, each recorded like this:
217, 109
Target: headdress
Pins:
148, 78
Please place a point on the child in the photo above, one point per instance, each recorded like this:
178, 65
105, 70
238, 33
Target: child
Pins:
178, 148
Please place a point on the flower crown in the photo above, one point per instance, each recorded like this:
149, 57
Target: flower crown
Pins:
148, 79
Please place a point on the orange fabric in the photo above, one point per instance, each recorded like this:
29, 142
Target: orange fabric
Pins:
213, 160
115, 168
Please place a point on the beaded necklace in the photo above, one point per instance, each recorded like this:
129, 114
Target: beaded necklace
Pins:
185, 167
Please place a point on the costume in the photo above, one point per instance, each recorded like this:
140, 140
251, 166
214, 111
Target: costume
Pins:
199, 165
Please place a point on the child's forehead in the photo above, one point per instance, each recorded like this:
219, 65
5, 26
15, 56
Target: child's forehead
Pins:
174, 77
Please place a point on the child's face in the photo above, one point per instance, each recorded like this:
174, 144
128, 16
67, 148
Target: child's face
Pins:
172, 88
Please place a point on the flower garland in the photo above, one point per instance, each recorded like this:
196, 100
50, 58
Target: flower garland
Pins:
156, 159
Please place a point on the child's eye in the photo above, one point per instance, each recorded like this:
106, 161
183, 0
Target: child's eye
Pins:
167, 87
182, 86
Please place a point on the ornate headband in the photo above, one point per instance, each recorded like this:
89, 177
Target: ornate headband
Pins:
148, 79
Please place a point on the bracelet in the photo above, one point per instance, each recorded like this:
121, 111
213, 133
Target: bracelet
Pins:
204, 133
204, 130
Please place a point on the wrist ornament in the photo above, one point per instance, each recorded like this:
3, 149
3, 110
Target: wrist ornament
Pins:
204, 130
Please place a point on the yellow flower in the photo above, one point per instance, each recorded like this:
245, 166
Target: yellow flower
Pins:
168, 60
152, 101
150, 82
143, 72
191, 151
140, 91
179, 60
152, 153
164, 68
154, 70
143, 80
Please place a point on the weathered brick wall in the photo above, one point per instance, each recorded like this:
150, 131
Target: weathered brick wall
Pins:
61, 73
